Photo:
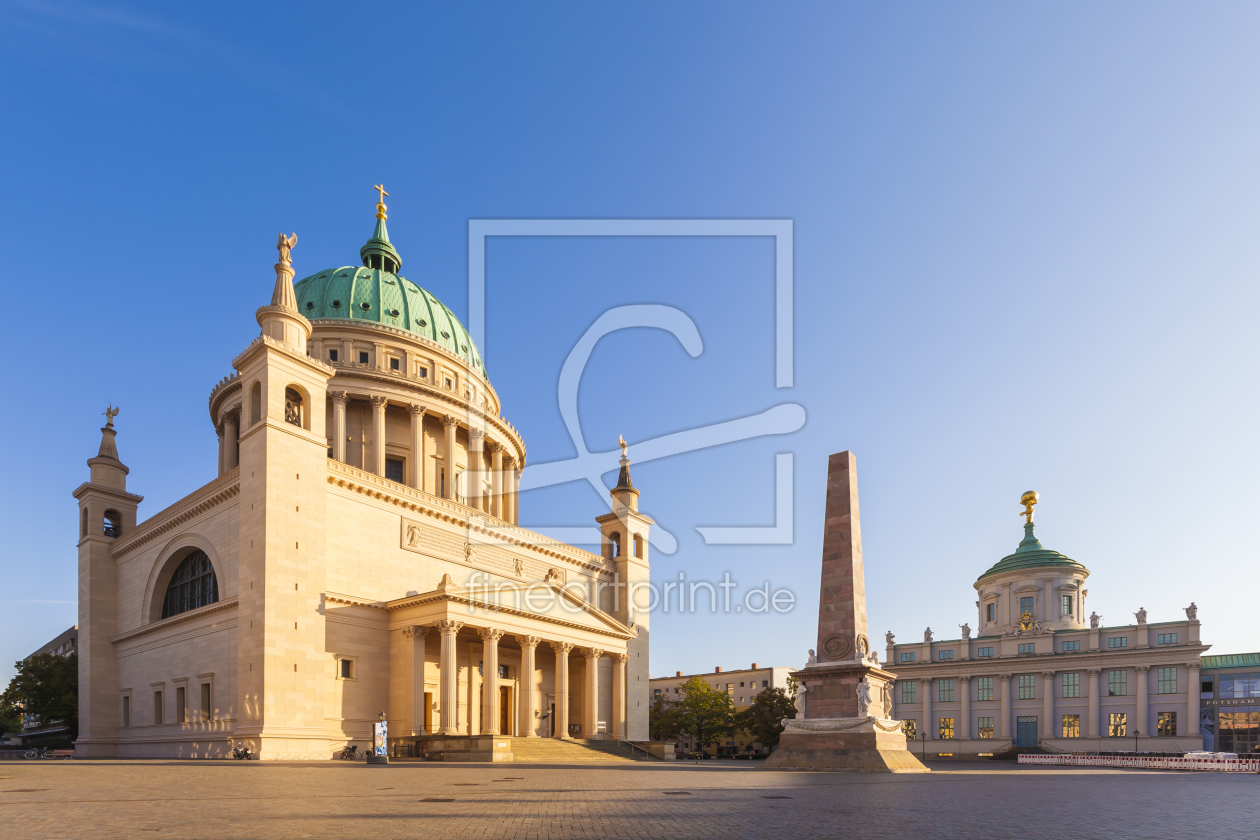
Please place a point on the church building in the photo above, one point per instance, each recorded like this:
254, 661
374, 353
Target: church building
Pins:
357, 555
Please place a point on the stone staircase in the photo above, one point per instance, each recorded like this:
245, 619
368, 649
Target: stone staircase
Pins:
576, 751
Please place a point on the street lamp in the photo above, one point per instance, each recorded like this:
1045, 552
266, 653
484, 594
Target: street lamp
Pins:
1136, 733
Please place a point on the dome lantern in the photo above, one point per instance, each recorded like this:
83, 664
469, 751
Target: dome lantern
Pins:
378, 252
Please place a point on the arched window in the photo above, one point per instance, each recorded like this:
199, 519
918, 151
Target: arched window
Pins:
113, 523
614, 547
292, 407
193, 585
638, 546
255, 403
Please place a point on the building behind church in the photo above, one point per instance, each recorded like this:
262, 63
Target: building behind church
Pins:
358, 552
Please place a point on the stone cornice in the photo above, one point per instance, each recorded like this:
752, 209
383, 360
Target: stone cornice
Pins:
196, 503
256, 346
1058, 662
228, 386
445, 510
105, 489
217, 606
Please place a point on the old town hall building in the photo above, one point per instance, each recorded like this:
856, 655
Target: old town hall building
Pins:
358, 553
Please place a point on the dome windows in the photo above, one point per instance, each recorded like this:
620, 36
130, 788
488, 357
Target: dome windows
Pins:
336, 304
420, 322
445, 334
365, 306
310, 304
393, 312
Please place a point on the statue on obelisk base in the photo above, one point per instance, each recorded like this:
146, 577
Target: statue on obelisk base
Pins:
843, 725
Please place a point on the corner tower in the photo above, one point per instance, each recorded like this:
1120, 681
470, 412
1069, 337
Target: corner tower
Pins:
624, 539
106, 511
281, 659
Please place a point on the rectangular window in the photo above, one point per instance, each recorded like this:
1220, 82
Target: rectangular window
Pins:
1071, 726
945, 691
991, 613
1118, 642
1026, 605
395, 364
944, 654
181, 705
984, 651
1117, 724
347, 669
765, 683
1065, 604
126, 710
1070, 647
1167, 725
909, 691
205, 701
1167, 681
730, 689
1027, 686
394, 469
332, 355
424, 373
363, 357
985, 727
656, 692
947, 728
1028, 647
1072, 685
503, 672
908, 727
1117, 683
157, 708
1166, 639
907, 657
984, 688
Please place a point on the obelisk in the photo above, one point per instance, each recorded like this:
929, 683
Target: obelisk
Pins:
847, 697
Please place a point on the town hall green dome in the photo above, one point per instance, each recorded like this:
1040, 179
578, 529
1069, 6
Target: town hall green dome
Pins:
376, 292
1031, 554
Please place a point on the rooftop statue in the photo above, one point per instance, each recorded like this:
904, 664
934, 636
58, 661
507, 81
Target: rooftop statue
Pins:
1094, 620
1192, 612
890, 638
966, 631
111, 412
284, 245
927, 635
1140, 615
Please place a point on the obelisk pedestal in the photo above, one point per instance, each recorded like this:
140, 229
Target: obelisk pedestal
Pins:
845, 723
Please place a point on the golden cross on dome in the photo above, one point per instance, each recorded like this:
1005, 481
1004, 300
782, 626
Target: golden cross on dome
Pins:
380, 188
380, 205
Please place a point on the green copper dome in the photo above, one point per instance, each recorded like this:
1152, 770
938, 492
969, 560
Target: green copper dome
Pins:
1031, 555
376, 293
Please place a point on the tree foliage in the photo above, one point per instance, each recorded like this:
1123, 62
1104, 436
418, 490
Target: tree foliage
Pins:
46, 686
763, 720
701, 712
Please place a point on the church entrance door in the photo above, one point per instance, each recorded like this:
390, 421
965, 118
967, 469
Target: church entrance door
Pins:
1025, 732
505, 711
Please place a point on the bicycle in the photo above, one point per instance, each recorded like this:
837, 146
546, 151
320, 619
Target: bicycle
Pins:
350, 753
37, 752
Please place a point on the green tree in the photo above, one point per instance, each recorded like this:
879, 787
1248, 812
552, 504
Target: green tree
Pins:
46, 686
763, 720
703, 712
662, 718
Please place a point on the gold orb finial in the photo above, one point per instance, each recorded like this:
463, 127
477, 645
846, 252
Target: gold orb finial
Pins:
380, 204
1028, 500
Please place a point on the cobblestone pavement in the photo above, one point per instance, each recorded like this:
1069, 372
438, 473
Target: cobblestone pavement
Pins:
990, 800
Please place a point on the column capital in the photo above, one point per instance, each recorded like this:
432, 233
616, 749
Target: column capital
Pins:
339, 397
926, 681
529, 641
416, 409
1048, 674
562, 647
1093, 672
490, 634
495, 446
623, 658
592, 652
1193, 666
966, 678
449, 420
509, 462
379, 402
476, 434
234, 408
1004, 677
448, 627
1141, 669
415, 631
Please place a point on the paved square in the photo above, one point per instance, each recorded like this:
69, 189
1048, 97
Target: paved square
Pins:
117, 799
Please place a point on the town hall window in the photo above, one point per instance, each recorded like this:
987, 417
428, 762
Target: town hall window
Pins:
1066, 604
394, 469
991, 613
909, 692
193, 585
984, 688
1026, 605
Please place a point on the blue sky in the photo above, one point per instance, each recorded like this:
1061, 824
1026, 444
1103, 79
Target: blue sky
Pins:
1025, 258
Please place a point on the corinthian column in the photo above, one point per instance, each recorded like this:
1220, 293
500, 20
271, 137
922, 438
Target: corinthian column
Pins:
490, 681
528, 646
417, 635
449, 686
231, 441
496, 479
1191, 726
1091, 719
415, 477
476, 440
449, 424
509, 492
1142, 720
562, 689
964, 724
378, 434
339, 399
1047, 704
1004, 719
591, 714
619, 696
